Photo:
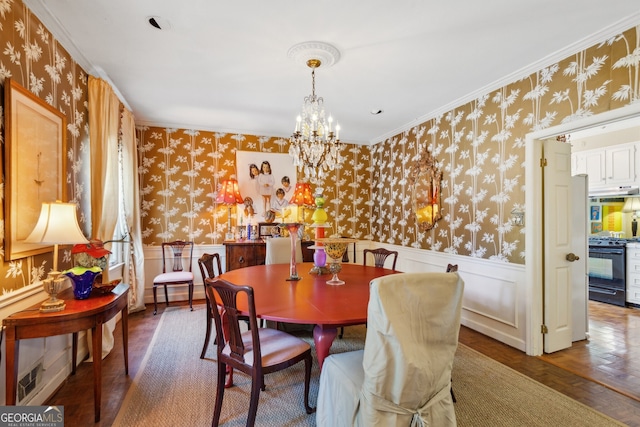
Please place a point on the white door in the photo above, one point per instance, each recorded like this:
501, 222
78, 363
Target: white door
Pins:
579, 276
557, 245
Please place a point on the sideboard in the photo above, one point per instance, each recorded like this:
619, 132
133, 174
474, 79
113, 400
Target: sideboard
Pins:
246, 253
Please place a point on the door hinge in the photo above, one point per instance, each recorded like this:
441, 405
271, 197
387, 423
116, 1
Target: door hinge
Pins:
543, 162
544, 329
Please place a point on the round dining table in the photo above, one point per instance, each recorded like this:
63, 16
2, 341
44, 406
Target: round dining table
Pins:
309, 300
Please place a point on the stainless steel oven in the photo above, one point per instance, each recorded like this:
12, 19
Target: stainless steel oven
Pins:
607, 270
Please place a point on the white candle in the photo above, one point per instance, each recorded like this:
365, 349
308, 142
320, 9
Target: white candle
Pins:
337, 131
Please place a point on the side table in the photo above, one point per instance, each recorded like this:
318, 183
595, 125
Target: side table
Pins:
77, 316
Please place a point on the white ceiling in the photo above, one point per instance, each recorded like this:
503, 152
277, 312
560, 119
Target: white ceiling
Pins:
223, 66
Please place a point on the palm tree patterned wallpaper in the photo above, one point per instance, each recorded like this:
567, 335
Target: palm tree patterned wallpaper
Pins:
32, 57
479, 147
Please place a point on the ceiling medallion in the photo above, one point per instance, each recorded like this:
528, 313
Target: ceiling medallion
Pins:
324, 52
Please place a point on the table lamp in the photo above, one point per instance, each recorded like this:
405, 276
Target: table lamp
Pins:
229, 195
57, 225
632, 204
302, 197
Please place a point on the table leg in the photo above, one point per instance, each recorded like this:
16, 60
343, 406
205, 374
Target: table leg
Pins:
323, 338
97, 368
74, 352
125, 338
11, 373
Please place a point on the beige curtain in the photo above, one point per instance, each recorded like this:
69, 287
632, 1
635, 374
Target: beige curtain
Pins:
104, 120
134, 261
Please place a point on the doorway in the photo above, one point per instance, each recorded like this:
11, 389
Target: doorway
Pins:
536, 264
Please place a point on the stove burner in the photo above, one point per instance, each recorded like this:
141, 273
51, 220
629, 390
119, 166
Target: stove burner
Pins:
609, 241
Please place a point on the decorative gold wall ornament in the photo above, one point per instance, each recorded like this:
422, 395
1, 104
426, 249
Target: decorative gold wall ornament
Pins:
425, 179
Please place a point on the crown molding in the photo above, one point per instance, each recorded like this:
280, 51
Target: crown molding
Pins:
598, 37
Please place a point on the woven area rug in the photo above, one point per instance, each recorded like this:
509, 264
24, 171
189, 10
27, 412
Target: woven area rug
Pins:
175, 387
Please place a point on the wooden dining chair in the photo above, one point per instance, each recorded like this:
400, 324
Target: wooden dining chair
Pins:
380, 255
173, 272
210, 267
345, 257
256, 352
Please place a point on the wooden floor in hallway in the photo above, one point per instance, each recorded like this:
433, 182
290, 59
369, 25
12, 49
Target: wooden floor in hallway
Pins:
611, 355
612, 349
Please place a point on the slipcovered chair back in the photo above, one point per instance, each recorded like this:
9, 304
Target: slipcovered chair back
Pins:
278, 250
403, 376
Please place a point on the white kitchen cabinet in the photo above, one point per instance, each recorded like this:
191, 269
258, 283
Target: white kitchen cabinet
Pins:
633, 273
612, 166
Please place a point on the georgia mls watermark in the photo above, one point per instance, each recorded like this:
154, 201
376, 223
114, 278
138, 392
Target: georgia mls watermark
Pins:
31, 416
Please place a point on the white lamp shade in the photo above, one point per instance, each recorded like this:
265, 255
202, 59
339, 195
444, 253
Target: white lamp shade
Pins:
57, 224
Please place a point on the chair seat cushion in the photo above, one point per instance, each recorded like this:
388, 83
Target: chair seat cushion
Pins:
172, 277
276, 346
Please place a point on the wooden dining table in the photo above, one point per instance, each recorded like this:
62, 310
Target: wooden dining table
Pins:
309, 300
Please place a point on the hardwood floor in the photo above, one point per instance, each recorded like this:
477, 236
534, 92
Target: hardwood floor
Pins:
612, 353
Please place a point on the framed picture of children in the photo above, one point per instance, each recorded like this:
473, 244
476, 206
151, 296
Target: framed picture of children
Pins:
595, 213
268, 179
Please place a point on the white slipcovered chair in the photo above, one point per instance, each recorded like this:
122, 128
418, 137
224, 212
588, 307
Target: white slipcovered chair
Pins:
278, 250
403, 375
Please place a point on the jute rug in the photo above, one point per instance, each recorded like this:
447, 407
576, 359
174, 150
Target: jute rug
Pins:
174, 387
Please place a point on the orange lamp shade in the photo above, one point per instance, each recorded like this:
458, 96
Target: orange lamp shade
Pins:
229, 193
302, 195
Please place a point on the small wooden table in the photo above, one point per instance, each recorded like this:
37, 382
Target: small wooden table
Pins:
310, 300
78, 315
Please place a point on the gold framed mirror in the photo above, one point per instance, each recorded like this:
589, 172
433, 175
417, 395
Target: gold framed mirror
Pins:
425, 179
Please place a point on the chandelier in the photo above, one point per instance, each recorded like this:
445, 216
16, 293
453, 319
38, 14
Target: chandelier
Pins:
315, 143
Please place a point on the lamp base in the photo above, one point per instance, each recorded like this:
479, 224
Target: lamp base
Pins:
52, 285
320, 271
52, 305
634, 227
